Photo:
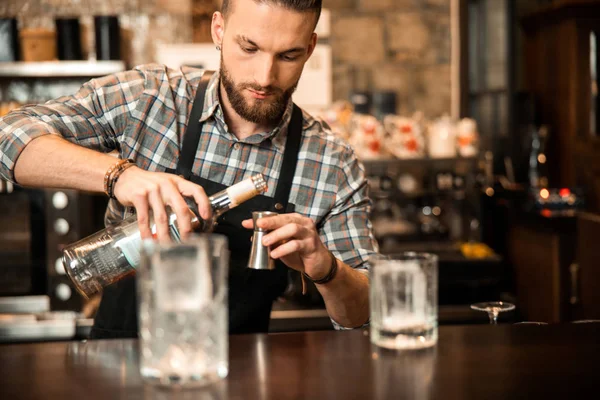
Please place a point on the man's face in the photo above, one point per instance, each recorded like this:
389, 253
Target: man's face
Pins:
263, 50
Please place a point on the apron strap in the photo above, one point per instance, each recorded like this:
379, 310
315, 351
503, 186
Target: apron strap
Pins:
193, 130
290, 158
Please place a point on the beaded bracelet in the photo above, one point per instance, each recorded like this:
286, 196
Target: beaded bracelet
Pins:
112, 175
115, 177
117, 174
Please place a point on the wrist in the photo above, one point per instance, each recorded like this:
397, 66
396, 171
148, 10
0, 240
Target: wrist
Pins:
113, 175
123, 178
329, 275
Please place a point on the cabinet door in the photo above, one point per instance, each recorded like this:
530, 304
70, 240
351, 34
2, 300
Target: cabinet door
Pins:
585, 292
535, 258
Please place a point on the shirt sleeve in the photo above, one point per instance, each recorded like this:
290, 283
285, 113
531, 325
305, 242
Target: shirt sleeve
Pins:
95, 117
347, 229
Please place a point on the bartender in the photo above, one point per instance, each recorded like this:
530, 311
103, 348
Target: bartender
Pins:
190, 133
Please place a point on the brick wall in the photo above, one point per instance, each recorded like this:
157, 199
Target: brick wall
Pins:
400, 45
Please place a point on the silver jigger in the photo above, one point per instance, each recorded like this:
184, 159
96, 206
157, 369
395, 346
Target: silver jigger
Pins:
260, 256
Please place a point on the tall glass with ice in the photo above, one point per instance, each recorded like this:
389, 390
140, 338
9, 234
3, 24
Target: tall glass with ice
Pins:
403, 300
182, 297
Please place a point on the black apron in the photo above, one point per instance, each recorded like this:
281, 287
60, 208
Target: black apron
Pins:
251, 292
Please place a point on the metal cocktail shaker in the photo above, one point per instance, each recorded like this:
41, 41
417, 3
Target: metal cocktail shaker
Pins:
260, 256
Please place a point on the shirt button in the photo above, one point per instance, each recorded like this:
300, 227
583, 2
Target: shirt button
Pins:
236, 146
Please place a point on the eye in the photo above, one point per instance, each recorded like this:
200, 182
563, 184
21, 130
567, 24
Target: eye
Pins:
248, 50
289, 58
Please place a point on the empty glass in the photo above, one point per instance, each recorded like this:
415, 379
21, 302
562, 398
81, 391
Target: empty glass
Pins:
182, 289
403, 300
493, 308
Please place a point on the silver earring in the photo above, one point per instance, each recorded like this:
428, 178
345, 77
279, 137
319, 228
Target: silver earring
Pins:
218, 48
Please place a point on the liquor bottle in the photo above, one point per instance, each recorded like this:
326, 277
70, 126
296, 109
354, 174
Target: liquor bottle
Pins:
537, 158
114, 252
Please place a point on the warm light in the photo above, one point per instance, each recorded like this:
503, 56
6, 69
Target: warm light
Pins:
542, 159
489, 191
564, 192
544, 194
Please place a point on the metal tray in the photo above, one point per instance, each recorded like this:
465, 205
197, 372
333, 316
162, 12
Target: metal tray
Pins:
21, 331
24, 304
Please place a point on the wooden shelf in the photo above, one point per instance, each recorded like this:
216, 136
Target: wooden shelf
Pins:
383, 165
59, 69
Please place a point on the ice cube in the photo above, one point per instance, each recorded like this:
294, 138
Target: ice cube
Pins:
199, 363
400, 319
184, 284
173, 362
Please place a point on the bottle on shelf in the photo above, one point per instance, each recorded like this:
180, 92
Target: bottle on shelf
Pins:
537, 158
114, 252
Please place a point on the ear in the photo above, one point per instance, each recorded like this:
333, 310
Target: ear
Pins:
312, 45
217, 28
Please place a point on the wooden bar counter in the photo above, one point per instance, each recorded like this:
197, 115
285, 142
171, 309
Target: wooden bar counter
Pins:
469, 362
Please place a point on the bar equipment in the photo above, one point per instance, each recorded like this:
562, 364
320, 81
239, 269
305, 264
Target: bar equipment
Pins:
493, 308
403, 300
113, 253
260, 255
108, 37
68, 39
9, 40
182, 297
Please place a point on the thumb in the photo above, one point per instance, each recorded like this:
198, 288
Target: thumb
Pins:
248, 224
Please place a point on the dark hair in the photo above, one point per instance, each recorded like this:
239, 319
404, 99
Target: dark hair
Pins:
294, 5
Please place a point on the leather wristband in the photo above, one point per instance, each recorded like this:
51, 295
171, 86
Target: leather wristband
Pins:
329, 276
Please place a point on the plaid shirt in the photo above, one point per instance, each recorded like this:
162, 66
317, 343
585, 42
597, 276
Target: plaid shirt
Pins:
143, 114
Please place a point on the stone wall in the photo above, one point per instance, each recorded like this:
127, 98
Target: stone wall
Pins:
400, 45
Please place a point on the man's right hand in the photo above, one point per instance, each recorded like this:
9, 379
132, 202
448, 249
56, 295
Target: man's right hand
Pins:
147, 191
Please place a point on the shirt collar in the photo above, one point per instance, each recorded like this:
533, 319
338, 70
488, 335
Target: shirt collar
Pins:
212, 108
211, 98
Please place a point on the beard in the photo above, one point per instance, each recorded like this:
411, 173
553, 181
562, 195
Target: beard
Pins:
267, 111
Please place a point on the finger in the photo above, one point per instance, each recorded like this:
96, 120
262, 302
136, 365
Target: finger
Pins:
140, 202
293, 246
190, 189
277, 221
286, 232
248, 223
172, 197
161, 221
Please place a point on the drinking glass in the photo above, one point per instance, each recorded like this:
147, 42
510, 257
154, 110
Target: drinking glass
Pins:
182, 290
493, 308
403, 300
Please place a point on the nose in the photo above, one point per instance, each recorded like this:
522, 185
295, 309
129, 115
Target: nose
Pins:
265, 76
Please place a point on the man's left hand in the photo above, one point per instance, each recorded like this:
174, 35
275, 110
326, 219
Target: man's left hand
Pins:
294, 239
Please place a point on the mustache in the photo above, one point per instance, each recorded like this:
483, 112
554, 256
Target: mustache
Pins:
261, 89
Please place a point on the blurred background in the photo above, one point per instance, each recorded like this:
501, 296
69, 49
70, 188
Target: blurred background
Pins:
476, 121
